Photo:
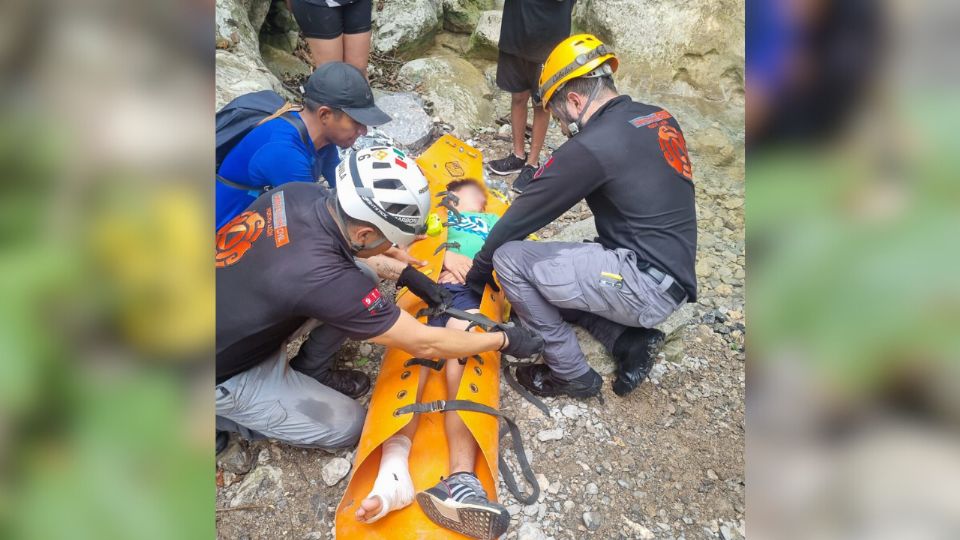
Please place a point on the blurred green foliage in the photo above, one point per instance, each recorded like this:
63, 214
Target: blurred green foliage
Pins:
853, 259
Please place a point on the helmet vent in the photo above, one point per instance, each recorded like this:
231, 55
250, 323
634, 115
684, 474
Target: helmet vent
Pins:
390, 183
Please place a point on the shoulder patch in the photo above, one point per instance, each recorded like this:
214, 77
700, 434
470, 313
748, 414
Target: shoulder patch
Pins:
281, 235
374, 301
641, 121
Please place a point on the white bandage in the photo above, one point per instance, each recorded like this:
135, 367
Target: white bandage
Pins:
393, 484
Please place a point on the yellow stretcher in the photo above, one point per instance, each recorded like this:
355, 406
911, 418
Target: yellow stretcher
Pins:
446, 160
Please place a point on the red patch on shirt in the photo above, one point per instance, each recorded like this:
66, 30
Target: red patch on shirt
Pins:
400, 163
543, 167
373, 301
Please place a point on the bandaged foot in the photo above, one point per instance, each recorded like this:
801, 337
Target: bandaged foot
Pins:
393, 488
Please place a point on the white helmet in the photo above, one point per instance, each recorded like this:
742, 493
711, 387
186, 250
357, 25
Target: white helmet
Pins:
385, 188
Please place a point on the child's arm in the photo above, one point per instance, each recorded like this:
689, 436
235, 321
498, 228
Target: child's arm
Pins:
458, 265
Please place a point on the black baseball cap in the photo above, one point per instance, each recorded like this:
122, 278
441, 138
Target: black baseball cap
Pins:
342, 86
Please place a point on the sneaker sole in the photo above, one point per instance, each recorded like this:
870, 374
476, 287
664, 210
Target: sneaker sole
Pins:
471, 520
502, 173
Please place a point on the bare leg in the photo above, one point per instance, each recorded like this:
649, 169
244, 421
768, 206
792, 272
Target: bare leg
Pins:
541, 119
326, 50
393, 467
518, 120
356, 50
463, 447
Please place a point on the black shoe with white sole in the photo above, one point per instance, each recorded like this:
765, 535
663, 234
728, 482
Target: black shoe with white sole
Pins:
460, 504
524, 178
507, 165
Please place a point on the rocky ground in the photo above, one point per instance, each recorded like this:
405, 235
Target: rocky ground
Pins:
665, 462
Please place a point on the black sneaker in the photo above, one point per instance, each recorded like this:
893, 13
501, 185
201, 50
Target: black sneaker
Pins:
539, 379
460, 504
634, 352
507, 165
350, 382
524, 178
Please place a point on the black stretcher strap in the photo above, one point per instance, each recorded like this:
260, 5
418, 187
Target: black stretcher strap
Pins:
435, 365
505, 366
509, 425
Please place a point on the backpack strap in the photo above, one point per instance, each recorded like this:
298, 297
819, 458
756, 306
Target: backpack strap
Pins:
283, 112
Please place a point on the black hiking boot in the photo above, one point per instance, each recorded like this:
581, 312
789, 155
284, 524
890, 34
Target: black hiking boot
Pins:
349, 382
524, 178
634, 353
460, 504
540, 380
507, 165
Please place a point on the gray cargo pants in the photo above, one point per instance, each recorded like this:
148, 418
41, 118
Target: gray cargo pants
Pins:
281, 398
601, 290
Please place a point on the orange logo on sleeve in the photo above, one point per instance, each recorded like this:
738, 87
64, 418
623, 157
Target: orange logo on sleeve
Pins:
236, 237
674, 149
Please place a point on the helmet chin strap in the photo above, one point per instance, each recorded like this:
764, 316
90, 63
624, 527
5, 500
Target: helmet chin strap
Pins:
354, 248
575, 126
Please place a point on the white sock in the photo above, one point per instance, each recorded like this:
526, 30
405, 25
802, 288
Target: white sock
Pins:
393, 484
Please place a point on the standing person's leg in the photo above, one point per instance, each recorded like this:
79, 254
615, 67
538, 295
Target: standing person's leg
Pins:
518, 121
541, 119
511, 77
322, 27
356, 33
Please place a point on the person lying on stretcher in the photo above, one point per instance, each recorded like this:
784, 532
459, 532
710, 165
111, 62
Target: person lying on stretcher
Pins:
458, 502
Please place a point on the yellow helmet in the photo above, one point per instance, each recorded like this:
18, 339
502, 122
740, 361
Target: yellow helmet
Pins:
576, 56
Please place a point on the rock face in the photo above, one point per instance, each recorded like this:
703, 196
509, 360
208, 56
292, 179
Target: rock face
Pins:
280, 28
406, 27
485, 39
282, 63
457, 89
239, 67
694, 49
410, 128
461, 15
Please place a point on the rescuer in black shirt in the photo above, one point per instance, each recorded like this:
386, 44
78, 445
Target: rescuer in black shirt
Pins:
285, 267
629, 161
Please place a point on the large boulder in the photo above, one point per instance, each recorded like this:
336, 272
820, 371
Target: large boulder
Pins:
406, 27
458, 90
693, 49
484, 42
239, 67
461, 15
411, 127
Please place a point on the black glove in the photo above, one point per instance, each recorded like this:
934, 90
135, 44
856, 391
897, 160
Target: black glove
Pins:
424, 287
481, 275
522, 342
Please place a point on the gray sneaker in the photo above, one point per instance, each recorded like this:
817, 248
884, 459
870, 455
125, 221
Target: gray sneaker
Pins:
460, 504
